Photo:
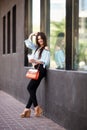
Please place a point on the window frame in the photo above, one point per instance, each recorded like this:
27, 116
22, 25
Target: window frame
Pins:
71, 37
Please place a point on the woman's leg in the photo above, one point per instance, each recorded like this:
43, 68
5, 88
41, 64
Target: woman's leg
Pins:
32, 87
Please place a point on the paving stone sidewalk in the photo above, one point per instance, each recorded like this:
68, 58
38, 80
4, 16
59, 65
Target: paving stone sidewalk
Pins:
10, 119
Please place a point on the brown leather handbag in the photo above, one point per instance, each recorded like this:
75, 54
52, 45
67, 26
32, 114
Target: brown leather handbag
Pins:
32, 74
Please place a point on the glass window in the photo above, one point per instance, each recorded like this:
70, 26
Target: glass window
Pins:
57, 33
8, 32
82, 46
14, 29
4, 29
32, 23
36, 16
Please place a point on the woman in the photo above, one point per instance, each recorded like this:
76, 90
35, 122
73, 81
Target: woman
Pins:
41, 58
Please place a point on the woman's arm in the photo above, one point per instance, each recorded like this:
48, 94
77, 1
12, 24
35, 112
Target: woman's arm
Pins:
29, 43
32, 34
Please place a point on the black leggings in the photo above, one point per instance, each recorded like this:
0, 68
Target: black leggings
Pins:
33, 85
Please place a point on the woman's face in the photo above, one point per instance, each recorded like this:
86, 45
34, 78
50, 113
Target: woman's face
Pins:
40, 41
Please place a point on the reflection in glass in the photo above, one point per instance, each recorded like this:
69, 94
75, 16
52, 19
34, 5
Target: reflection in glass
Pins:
57, 33
82, 47
60, 51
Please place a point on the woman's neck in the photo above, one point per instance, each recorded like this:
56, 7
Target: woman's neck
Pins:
41, 46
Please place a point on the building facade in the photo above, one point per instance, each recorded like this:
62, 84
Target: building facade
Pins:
63, 93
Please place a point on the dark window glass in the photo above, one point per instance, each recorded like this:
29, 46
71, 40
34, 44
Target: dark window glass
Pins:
14, 29
4, 28
8, 32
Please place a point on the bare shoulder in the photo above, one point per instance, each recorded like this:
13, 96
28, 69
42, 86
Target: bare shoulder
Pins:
47, 48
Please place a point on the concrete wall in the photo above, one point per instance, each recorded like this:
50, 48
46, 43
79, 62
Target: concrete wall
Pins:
12, 65
62, 94
66, 98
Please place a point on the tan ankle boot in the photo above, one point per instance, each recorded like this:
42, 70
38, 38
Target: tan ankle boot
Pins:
25, 113
38, 111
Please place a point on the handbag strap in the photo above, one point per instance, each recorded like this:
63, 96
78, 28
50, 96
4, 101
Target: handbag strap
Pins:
38, 67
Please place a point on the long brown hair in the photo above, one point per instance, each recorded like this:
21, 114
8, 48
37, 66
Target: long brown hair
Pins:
43, 36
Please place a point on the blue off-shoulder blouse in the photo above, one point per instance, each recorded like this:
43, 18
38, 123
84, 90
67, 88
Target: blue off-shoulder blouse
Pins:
45, 56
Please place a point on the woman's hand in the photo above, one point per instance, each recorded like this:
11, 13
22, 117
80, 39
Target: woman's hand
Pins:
32, 34
35, 61
32, 61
